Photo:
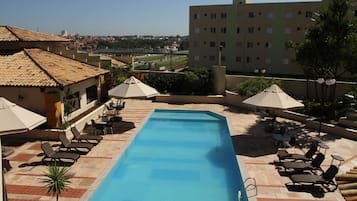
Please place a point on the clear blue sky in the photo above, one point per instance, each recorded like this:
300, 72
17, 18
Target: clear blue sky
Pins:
104, 17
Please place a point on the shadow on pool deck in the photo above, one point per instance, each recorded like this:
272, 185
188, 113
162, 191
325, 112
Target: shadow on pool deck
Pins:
253, 146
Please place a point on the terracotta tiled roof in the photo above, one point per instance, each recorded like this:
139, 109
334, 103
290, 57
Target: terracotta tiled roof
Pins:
19, 70
8, 33
39, 68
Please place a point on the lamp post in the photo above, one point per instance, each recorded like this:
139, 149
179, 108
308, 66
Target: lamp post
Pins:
328, 82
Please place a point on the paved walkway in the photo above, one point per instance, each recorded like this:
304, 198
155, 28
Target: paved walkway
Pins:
252, 144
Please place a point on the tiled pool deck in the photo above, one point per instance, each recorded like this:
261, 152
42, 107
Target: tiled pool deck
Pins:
252, 144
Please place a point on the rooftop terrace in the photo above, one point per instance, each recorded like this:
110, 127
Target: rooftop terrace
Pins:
252, 144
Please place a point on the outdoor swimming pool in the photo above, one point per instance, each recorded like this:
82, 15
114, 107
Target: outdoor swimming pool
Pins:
178, 155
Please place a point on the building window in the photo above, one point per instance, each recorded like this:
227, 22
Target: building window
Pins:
196, 58
204, 42
212, 44
91, 93
355, 13
205, 29
258, 58
269, 30
308, 14
213, 16
248, 59
223, 15
299, 12
205, 14
71, 102
268, 45
213, 30
211, 58
196, 16
249, 45
259, 28
223, 30
298, 28
250, 29
251, 14
223, 44
238, 59
197, 30
238, 29
258, 43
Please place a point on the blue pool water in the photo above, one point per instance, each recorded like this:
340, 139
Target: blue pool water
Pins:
176, 156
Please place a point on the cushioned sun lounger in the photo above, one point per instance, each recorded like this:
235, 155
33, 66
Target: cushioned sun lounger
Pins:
300, 166
325, 179
56, 155
73, 145
283, 154
86, 137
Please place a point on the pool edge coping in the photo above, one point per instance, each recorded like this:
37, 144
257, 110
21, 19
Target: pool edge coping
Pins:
100, 178
91, 190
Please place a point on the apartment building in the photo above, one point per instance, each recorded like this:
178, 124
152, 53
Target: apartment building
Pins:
251, 36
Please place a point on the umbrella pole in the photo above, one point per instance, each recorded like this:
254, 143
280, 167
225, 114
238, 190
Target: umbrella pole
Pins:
3, 196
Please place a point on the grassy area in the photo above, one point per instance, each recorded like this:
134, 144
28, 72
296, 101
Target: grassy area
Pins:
150, 58
175, 61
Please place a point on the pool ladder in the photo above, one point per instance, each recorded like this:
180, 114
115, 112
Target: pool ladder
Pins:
249, 185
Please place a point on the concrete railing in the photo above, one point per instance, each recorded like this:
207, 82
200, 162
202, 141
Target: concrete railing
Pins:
233, 99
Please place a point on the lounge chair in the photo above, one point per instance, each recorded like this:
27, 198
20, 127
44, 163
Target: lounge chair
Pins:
86, 137
283, 154
56, 155
301, 166
325, 179
6, 166
73, 145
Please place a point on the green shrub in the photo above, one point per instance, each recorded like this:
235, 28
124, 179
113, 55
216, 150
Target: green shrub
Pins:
192, 81
197, 81
255, 85
312, 108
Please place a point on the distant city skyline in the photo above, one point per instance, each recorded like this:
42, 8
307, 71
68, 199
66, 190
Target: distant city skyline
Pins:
107, 17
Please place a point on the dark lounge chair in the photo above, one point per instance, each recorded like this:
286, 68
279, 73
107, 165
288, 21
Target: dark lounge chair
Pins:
85, 137
57, 155
73, 145
301, 166
325, 179
6, 166
283, 154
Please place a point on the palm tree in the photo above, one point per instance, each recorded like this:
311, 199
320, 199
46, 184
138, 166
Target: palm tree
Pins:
56, 180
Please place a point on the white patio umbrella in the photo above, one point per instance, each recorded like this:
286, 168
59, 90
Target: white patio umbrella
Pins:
133, 88
15, 119
273, 97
